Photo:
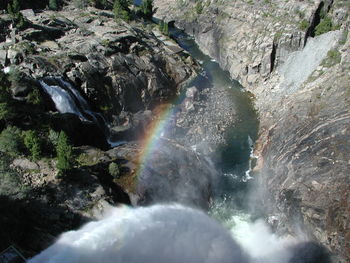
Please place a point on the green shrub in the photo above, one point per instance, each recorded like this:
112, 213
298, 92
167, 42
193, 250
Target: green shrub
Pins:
6, 109
324, 26
333, 58
121, 9
113, 169
323, 13
53, 5
80, 4
344, 37
11, 141
65, 156
33, 144
299, 13
14, 75
304, 24
34, 97
53, 137
147, 8
199, 7
14, 11
163, 27
10, 184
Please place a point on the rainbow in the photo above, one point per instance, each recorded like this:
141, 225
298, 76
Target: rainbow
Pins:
154, 133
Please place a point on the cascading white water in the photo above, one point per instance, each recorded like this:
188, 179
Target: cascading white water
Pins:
66, 98
63, 100
82, 101
251, 157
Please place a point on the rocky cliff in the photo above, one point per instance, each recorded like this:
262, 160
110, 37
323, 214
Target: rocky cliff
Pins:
293, 56
122, 71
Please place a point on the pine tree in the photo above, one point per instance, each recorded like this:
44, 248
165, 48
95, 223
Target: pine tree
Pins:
7, 110
16, 6
14, 11
33, 144
65, 156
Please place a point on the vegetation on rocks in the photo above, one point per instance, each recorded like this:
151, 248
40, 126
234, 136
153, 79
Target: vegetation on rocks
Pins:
146, 9
65, 156
10, 183
14, 11
53, 4
11, 141
121, 9
325, 26
199, 7
163, 27
113, 169
304, 24
33, 144
333, 58
6, 107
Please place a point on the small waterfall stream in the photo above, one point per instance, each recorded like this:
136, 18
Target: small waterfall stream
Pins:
68, 99
64, 101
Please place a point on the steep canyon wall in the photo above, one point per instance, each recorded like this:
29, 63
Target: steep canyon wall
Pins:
299, 73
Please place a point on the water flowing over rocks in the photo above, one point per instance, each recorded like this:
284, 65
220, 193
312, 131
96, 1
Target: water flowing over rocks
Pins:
302, 96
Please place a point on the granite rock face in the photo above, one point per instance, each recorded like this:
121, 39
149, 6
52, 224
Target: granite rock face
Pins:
122, 71
301, 87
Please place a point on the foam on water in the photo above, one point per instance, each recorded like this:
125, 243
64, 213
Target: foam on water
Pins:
257, 239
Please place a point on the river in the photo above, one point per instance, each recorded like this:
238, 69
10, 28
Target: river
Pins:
235, 157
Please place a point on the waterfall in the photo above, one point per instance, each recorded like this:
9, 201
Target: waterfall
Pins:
160, 233
68, 99
63, 100
251, 157
76, 93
